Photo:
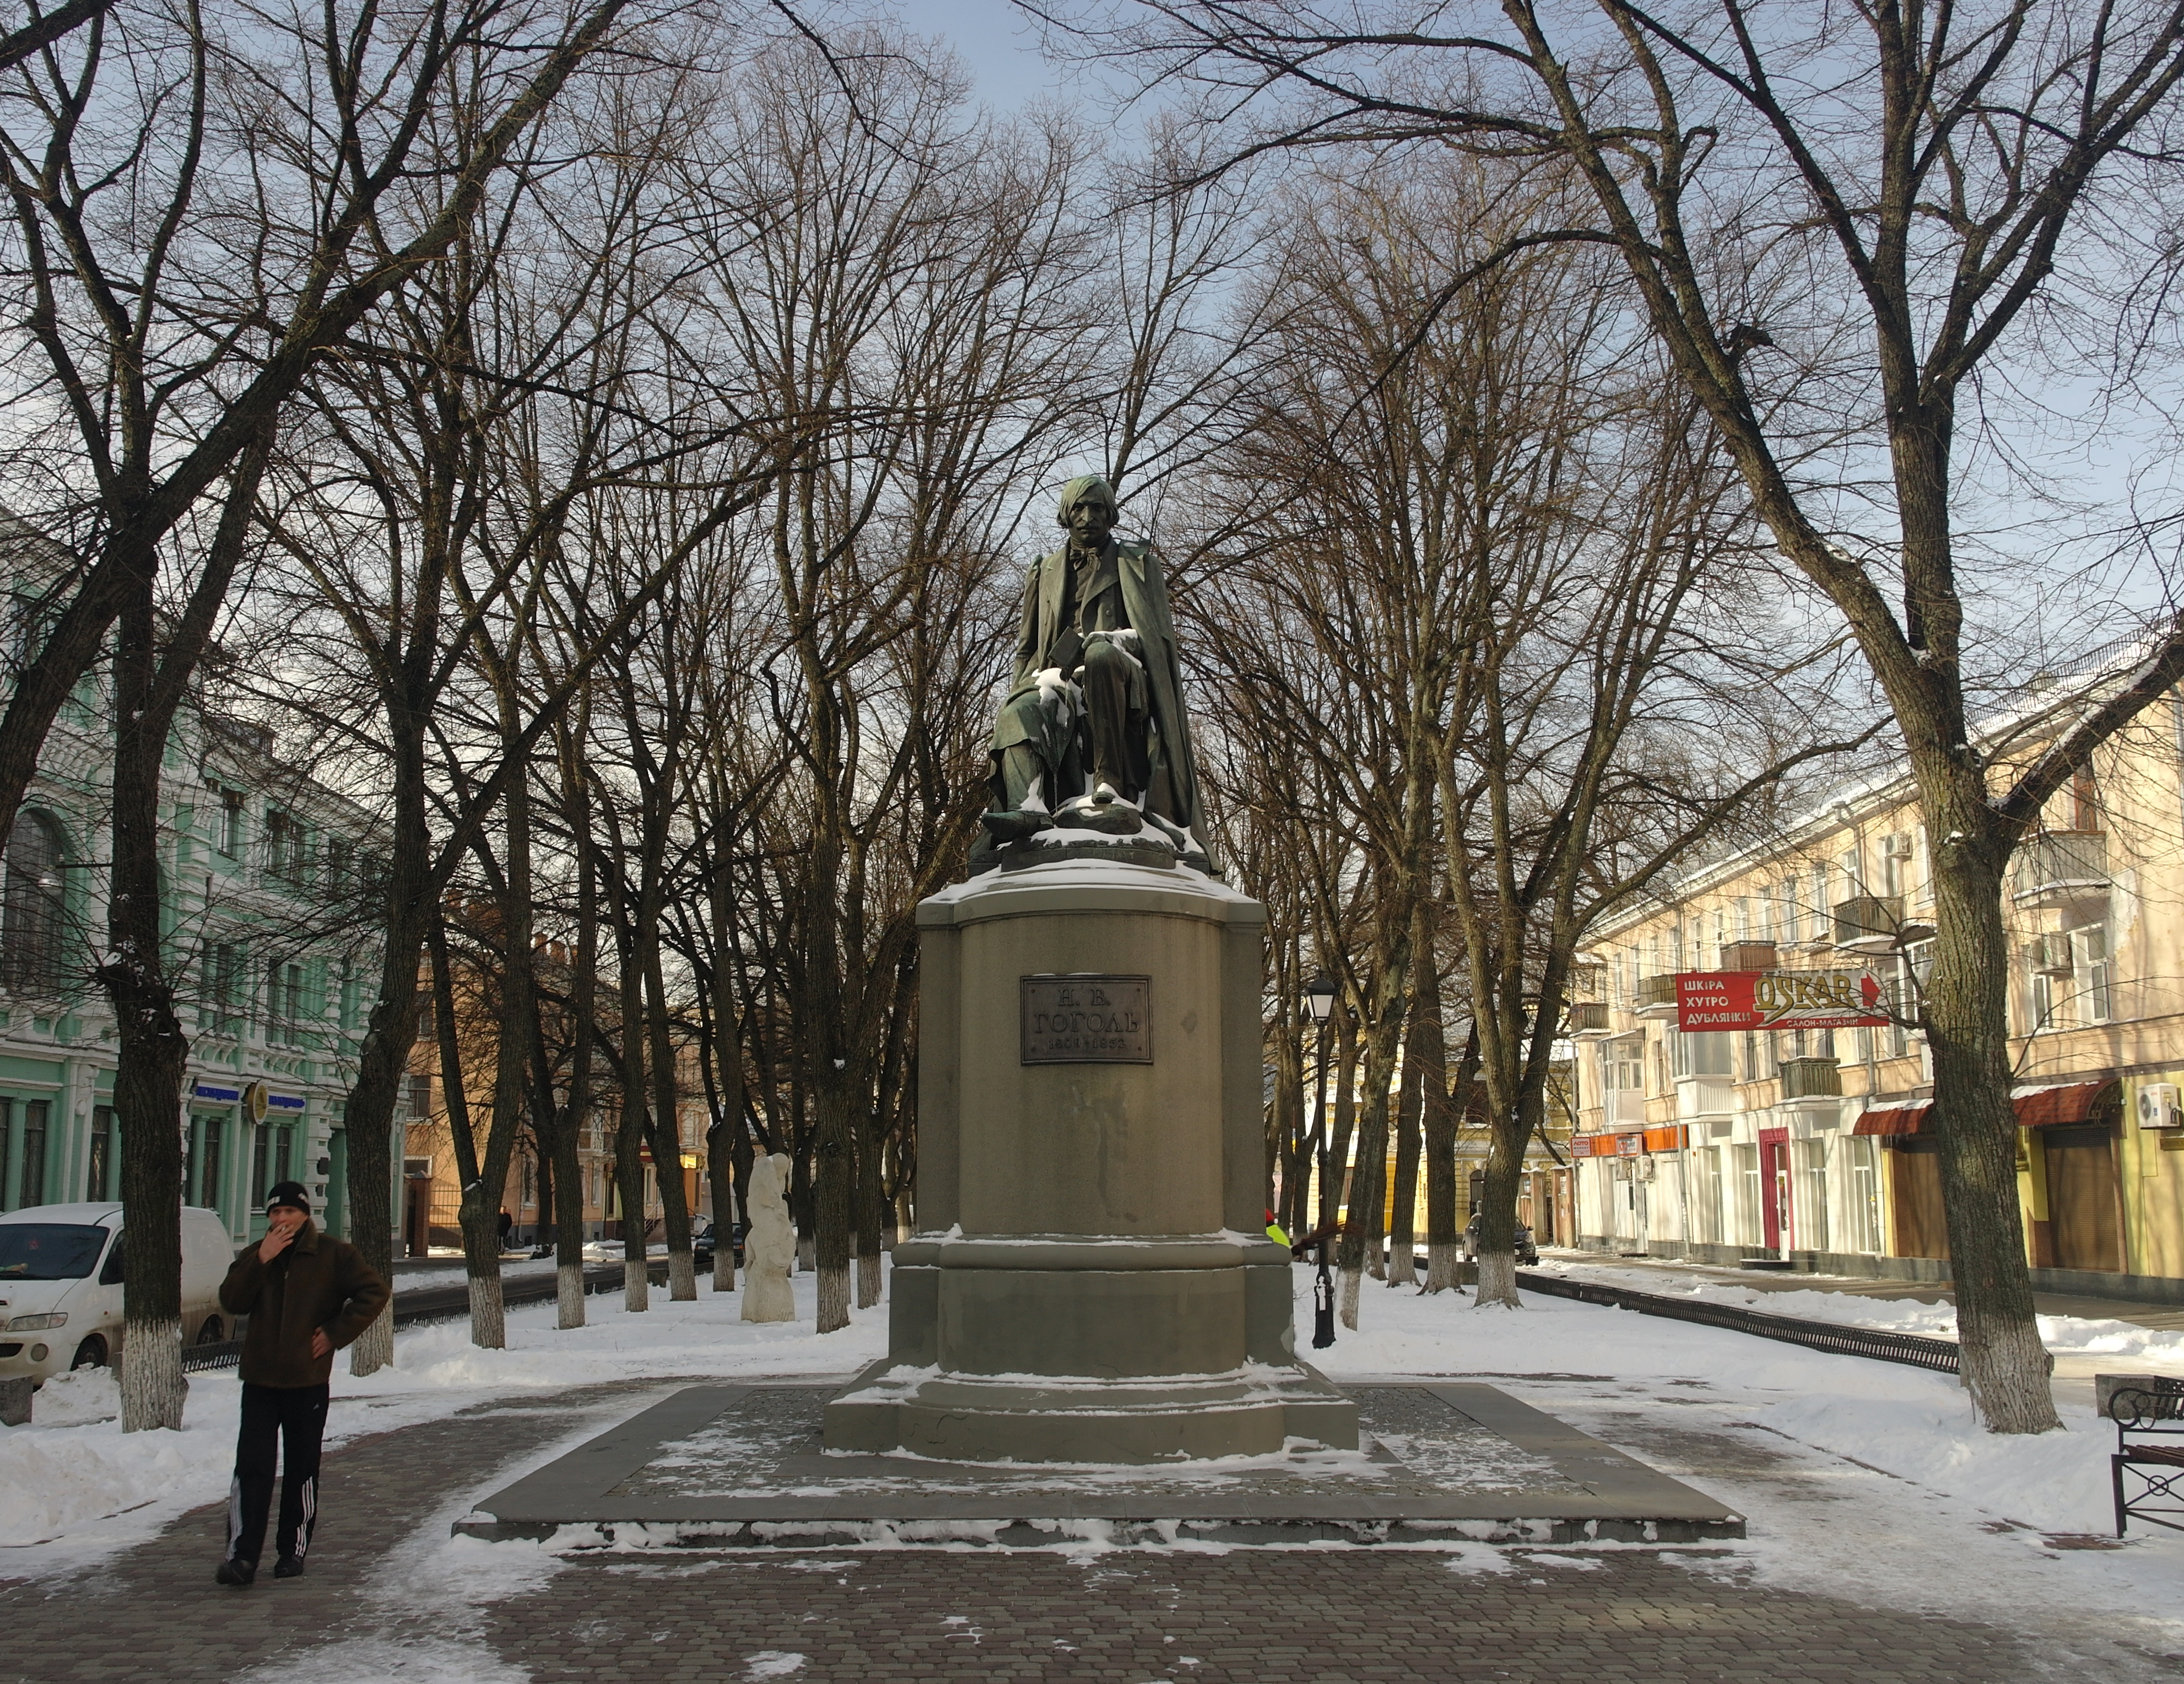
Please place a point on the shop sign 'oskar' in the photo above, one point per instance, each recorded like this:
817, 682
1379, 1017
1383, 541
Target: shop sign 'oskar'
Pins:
1780, 1000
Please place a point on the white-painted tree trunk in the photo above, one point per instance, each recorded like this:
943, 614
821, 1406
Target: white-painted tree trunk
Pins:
724, 1264
807, 1253
1497, 1280
636, 1286
569, 1294
488, 1312
681, 1278
153, 1387
1402, 1266
1346, 1304
1442, 1272
868, 1280
373, 1349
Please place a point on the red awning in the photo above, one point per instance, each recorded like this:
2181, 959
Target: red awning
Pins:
1895, 1119
2064, 1106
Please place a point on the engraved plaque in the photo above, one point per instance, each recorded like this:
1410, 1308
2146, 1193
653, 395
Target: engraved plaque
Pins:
1088, 1019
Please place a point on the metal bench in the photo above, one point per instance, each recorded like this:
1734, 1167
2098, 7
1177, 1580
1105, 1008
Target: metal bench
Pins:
2148, 1412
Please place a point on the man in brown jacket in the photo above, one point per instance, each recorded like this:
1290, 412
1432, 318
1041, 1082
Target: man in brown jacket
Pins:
307, 1295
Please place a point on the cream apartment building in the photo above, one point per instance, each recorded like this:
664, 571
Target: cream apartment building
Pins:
1814, 1146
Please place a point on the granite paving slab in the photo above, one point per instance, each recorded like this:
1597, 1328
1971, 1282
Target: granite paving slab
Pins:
736, 1465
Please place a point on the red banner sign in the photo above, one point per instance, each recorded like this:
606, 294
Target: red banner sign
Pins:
1779, 1000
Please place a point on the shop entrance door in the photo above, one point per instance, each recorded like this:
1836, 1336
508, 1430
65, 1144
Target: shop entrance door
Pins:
2082, 1198
1775, 1227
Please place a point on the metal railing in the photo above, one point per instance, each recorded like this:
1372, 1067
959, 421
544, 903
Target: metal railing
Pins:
1914, 1349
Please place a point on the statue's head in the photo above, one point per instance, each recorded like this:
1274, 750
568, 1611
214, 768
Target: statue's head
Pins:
1097, 495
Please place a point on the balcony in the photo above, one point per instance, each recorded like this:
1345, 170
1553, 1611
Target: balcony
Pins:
1625, 1108
2061, 868
1811, 1079
1587, 1017
1657, 997
1749, 955
1869, 923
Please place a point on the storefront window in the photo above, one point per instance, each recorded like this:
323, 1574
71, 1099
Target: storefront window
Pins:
1746, 1162
206, 1139
1863, 1218
1811, 1158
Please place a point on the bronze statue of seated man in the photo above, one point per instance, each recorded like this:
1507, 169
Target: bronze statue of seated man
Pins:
1092, 734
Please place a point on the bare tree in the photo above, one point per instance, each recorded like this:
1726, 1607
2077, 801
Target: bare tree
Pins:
1838, 223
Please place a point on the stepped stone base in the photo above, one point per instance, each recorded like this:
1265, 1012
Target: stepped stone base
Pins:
954, 1418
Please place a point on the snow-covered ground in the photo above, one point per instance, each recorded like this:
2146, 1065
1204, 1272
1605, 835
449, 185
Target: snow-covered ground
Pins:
1862, 1479
2155, 1350
76, 1484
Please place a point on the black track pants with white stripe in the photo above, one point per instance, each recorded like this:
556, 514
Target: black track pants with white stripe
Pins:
293, 1416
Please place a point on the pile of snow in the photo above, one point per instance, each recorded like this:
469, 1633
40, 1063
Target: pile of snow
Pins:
2072, 1335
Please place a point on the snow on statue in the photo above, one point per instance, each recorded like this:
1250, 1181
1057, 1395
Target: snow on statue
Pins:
770, 1247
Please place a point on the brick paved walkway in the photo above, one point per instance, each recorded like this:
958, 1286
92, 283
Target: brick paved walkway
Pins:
1294, 1616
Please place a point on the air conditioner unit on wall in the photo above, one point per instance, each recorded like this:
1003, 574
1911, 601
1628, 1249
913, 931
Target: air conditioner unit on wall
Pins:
2049, 954
1896, 846
2157, 1106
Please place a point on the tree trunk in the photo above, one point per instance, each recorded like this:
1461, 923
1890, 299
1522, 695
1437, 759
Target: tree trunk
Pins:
148, 1083
834, 1174
478, 1216
1402, 1238
1443, 1225
871, 1208
2006, 1367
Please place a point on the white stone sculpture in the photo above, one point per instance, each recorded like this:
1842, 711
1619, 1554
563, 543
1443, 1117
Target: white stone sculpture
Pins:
770, 1247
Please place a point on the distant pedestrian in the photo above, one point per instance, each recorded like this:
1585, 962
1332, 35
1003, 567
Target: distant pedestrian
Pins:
507, 1222
307, 1295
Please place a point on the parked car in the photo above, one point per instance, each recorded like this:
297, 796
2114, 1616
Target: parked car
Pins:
1526, 1249
702, 1242
61, 1285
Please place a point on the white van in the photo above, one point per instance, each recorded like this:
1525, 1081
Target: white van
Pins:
61, 1285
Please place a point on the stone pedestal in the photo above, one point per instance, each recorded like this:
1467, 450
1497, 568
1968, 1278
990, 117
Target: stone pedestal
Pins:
1092, 1282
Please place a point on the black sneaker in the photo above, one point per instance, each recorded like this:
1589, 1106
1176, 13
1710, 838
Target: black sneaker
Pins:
288, 1567
235, 1573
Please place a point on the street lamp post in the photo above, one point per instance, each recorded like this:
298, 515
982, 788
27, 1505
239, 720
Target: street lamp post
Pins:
1319, 1005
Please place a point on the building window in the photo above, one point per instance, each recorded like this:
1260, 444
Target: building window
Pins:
35, 912
2089, 953
205, 1180
421, 1097
1702, 1052
284, 846
99, 1178
2039, 1002
30, 1180
223, 982
228, 826
284, 1003
1862, 1221
284, 1153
